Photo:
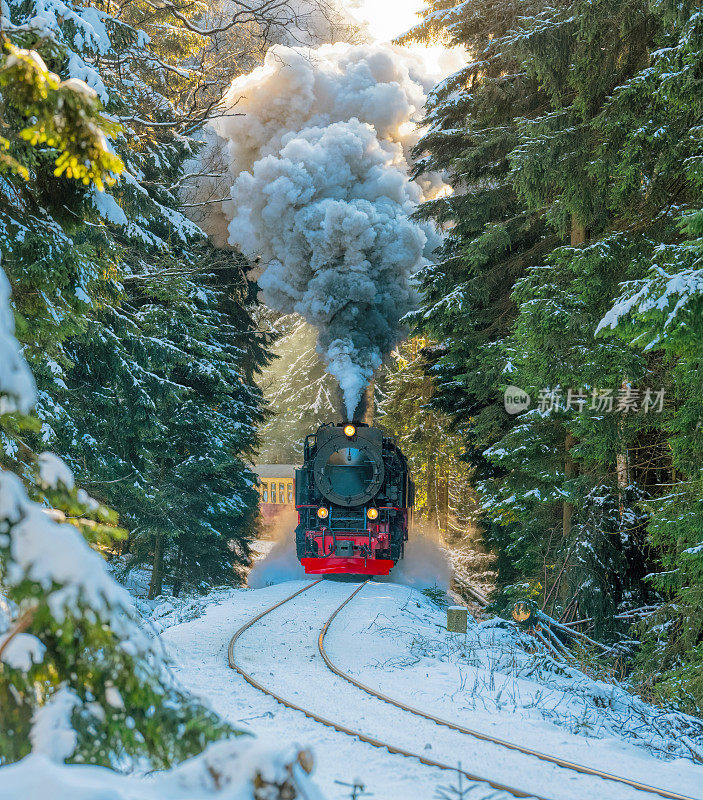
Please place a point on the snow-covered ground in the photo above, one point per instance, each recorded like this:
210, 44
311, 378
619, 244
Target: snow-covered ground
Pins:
392, 637
226, 770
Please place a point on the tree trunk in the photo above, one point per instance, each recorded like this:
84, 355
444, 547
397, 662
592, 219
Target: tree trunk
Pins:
178, 583
443, 504
578, 237
569, 472
622, 466
578, 232
431, 485
157, 578
623, 478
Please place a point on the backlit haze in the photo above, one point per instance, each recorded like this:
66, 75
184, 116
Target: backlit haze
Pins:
386, 19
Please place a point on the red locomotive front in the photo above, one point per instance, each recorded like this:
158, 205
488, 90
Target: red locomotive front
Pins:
354, 498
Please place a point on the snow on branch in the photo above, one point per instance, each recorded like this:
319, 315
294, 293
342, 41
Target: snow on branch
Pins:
17, 389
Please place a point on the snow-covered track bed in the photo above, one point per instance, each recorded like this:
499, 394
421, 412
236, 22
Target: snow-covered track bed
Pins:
341, 728
641, 787
369, 715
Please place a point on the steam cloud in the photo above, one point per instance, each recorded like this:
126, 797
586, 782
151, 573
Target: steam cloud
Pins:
318, 169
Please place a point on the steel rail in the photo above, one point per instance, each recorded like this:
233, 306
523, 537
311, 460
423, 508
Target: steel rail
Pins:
342, 728
477, 734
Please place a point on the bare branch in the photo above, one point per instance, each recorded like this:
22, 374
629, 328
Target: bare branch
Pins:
205, 202
245, 15
20, 627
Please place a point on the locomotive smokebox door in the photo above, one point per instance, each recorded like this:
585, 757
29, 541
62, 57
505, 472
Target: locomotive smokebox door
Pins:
349, 471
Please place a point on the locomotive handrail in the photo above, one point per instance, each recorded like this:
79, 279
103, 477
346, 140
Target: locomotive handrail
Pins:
670, 795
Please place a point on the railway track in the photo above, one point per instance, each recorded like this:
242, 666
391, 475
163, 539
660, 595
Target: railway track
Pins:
375, 742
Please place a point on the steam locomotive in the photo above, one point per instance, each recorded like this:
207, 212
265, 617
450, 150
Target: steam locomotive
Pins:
354, 498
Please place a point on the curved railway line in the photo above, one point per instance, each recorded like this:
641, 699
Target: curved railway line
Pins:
375, 742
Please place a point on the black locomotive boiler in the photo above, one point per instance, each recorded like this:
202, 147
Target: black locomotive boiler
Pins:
354, 498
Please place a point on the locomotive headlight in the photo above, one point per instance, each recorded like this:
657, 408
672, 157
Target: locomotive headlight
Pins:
349, 431
323, 512
372, 513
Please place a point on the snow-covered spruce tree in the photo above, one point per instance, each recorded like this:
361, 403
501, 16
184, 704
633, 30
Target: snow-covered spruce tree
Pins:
491, 235
600, 157
608, 160
661, 311
78, 677
57, 250
147, 350
434, 449
574, 556
301, 394
173, 403
52, 275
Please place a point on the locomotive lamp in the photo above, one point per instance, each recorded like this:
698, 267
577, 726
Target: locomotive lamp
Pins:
323, 512
372, 513
349, 431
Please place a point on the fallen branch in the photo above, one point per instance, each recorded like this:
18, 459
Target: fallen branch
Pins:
550, 622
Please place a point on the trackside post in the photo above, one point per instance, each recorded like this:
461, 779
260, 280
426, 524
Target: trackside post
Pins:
457, 619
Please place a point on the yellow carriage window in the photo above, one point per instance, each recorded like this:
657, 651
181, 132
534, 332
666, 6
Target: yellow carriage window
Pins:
264, 492
281, 493
273, 492
290, 494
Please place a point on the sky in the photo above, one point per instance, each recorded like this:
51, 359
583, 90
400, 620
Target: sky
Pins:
387, 18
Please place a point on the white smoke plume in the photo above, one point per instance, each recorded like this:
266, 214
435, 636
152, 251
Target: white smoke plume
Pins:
317, 147
281, 561
425, 564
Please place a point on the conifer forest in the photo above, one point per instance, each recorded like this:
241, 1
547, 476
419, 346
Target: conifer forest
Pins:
474, 224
